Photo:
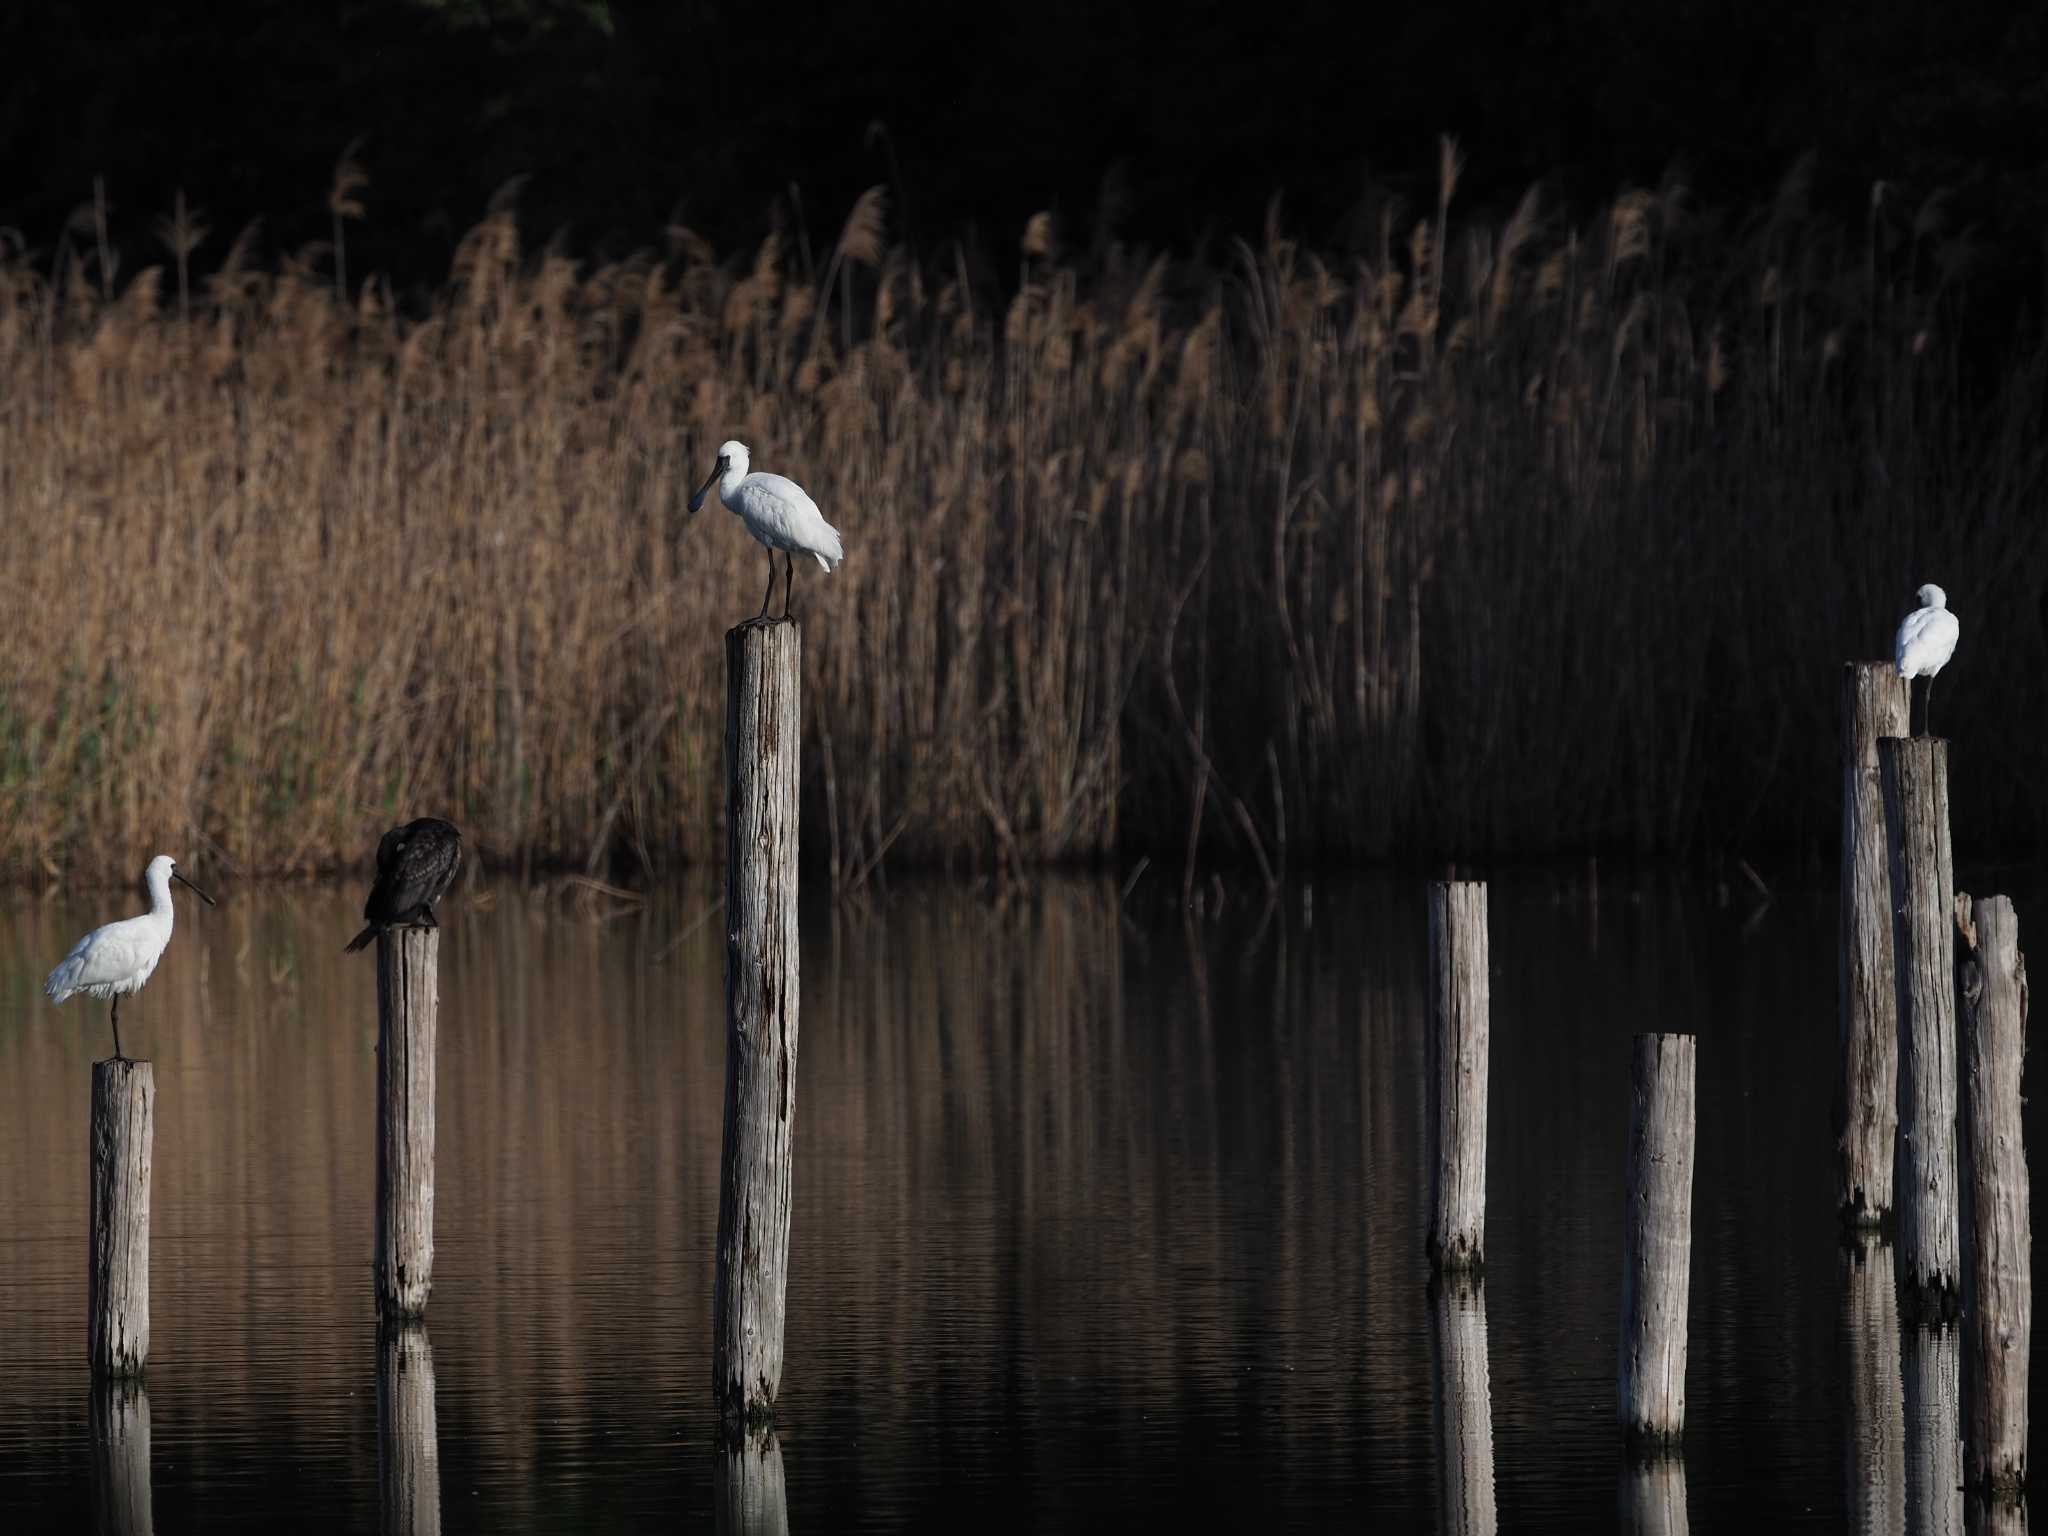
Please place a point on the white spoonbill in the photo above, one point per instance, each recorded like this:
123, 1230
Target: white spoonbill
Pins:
1927, 638
777, 512
119, 958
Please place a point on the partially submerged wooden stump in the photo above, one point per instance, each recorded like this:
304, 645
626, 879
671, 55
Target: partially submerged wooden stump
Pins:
1923, 898
117, 1265
408, 1008
1656, 1269
1874, 705
1457, 1032
762, 724
1991, 996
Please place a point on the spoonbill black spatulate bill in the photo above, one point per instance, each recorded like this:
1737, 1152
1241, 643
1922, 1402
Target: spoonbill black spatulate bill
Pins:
117, 959
1926, 640
777, 512
416, 863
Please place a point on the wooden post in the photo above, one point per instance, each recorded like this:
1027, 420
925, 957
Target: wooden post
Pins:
1991, 996
120, 1457
408, 1440
117, 1265
1653, 1498
408, 1004
753, 1498
1875, 1462
1934, 1450
1874, 704
1923, 902
1656, 1271
1459, 1007
762, 722
1464, 1406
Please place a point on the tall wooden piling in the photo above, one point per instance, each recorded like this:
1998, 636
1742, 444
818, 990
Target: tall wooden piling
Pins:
1915, 778
753, 1496
1464, 1406
1458, 1029
120, 1457
1656, 1271
1874, 705
762, 723
408, 1433
408, 1008
1991, 997
117, 1262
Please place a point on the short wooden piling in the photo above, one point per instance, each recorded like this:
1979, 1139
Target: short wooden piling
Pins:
408, 1433
1991, 998
753, 1495
762, 724
1874, 705
1464, 1406
1656, 1273
117, 1266
120, 1457
408, 1007
1458, 1029
1915, 777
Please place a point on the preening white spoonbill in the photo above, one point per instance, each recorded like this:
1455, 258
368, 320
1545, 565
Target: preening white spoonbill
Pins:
1927, 638
777, 512
416, 863
117, 959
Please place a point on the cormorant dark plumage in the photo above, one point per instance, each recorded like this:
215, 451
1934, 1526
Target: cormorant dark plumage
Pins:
416, 863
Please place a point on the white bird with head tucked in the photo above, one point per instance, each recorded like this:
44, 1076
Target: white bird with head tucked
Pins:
117, 959
1926, 640
777, 512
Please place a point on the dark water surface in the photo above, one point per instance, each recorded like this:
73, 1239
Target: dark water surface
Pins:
1102, 1218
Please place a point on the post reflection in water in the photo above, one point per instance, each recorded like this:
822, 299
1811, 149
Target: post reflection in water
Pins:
408, 1446
120, 1458
1874, 1444
1932, 1361
753, 1499
1653, 1497
1464, 1407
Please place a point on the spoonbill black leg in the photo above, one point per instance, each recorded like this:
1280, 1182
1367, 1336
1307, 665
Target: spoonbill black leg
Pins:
768, 596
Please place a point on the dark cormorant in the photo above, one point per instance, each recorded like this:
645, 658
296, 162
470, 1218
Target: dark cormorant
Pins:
416, 863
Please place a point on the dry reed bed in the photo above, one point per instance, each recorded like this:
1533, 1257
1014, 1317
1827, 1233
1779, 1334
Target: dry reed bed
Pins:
1510, 539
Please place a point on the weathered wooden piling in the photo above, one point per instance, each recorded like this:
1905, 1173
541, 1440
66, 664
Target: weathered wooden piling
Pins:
408, 1008
1458, 1029
1656, 1267
753, 1497
120, 1457
1929, 1372
1464, 1406
762, 723
1874, 705
1991, 998
1874, 1444
117, 1264
408, 1437
1915, 777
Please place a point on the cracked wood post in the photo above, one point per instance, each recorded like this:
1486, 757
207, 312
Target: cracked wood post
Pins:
1915, 774
762, 720
1874, 705
408, 1005
1991, 996
1457, 1043
117, 1260
1656, 1268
